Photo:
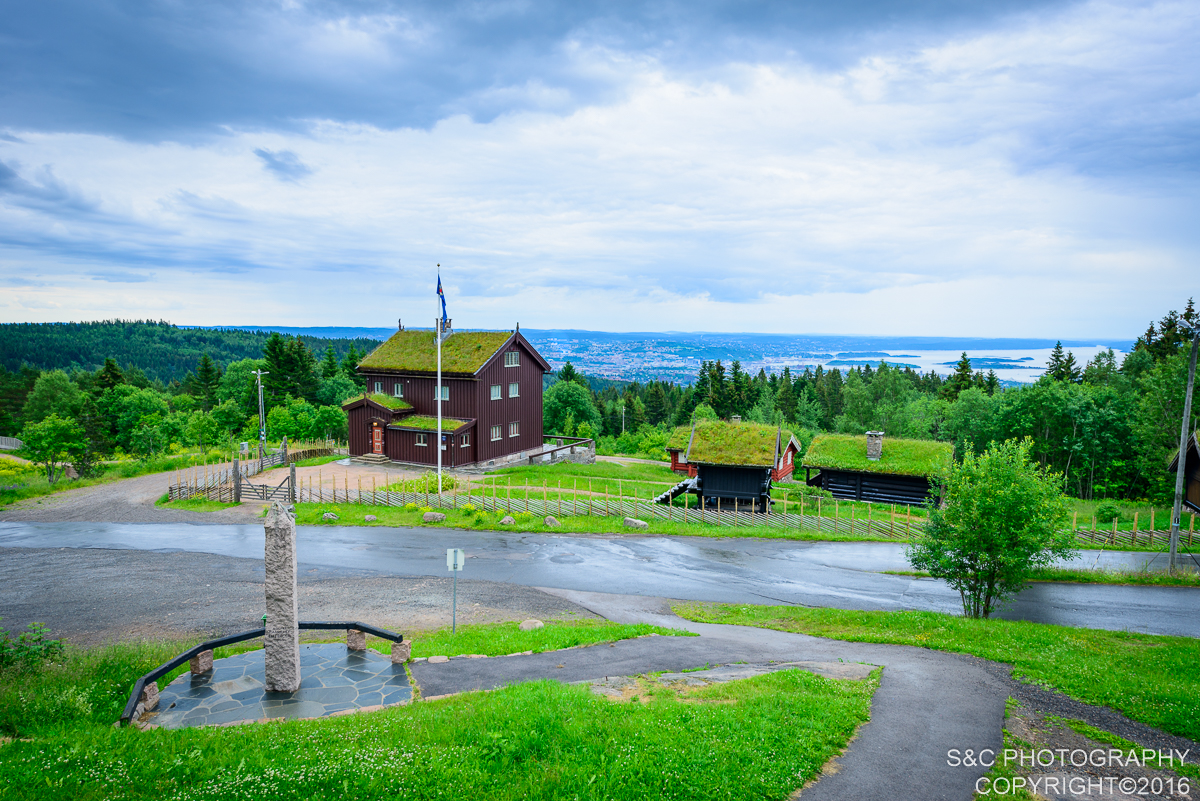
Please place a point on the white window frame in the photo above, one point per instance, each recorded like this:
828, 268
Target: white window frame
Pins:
445, 392
497, 392
514, 428
514, 389
512, 358
465, 441
378, 387
497, 433
422, 440
398, 389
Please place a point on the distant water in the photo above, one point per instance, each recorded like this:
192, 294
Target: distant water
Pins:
676, 356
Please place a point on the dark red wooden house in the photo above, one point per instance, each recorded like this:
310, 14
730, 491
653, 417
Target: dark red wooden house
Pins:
491, 398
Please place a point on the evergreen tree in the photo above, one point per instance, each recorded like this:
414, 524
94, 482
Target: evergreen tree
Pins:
785, 398
329, 363
991, 383
718, 389
963, 378
208, 378
1054, 366
569, 373
109, 375
656, 403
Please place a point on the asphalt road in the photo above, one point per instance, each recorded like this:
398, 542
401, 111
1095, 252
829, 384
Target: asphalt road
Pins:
842, 575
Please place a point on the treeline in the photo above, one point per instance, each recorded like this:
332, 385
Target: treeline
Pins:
88, 416
1109, 426
159, 350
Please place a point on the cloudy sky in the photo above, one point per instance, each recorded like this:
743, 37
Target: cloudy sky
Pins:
924, 167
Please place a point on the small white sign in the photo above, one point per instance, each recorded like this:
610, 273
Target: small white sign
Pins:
455, 558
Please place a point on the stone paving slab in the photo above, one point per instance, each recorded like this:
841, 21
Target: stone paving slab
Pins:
333, 680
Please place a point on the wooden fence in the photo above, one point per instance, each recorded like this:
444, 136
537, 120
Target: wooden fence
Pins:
215, 482
816, 515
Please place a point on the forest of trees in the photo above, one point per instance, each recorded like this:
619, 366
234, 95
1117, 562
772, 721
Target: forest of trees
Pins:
1109, 426
159, 350
85, 416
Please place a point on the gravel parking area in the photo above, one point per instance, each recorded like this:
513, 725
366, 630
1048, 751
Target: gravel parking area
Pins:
92, 596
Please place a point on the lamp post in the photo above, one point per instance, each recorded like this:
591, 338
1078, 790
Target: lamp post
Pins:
1177, 509
262, 419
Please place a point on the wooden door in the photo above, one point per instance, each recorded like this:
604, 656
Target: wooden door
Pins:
377, 440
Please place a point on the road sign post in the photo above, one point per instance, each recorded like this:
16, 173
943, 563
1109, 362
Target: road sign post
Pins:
454, 563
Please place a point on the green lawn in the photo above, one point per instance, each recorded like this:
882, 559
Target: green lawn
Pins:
1153, 679
317, 461
498, 639
1073, 576
309, 514
193, 504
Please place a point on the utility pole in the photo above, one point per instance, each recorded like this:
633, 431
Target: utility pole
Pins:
439, 326
1177, 510
262, 419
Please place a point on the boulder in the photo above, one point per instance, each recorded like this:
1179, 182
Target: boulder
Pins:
633, 522
401, 651
435, 660
530, 625
552, 522
508, 520
433, 517
369, 518
329, 516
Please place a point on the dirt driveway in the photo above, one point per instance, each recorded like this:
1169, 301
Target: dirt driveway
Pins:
132, 500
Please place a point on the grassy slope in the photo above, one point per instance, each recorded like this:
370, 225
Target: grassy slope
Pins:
1153, 679
759, 738
193, 504
38, 486
1074, 576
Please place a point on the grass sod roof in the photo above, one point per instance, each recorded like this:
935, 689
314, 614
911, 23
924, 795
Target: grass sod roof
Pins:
741, 444
416, 351
902, 457
386, 401
421, 422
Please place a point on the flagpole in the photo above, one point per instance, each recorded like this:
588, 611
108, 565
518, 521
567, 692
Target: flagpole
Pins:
438, 334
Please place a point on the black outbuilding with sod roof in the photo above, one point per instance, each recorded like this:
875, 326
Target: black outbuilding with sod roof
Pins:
865, 468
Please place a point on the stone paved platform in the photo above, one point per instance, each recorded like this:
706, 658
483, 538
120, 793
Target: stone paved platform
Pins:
333, 679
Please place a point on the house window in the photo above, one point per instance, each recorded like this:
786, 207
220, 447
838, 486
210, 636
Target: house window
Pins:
398, 390
512, 358
465, 440
514, 429
514, 389
495, 433
423, 440
378, 387
496, 392
789, 459
445, 392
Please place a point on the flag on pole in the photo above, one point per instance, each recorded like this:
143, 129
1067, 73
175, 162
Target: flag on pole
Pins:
442, 295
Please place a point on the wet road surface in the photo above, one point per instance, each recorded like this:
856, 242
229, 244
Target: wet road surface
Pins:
841, 575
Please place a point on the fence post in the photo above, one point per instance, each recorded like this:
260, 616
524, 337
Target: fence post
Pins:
292, 481
237, 482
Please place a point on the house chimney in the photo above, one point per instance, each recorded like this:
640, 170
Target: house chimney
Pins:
874, 445
737, 418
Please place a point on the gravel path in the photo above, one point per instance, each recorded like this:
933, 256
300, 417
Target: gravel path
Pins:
92, 596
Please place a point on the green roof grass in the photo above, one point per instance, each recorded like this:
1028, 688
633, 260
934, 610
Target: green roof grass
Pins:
386, 401
743, 444
416, 351
679, 438
904, 457
427, 423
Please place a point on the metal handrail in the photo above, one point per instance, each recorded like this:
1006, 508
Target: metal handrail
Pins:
230, 639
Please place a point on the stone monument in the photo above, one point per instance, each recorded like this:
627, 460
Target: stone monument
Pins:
282, 642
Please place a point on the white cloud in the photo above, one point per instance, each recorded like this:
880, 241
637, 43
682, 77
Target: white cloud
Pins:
909, 194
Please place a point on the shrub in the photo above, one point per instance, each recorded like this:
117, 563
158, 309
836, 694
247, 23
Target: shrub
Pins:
1107, 512
28, 650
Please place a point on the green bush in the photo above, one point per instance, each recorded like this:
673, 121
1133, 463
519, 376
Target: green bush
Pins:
28, 650
1107, 512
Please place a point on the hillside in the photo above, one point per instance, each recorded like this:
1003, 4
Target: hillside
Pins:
161, 350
